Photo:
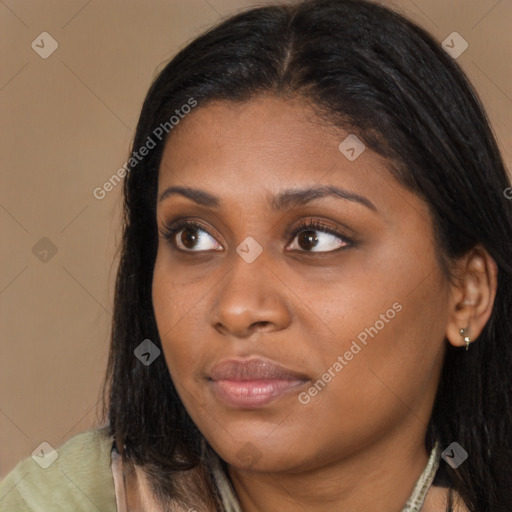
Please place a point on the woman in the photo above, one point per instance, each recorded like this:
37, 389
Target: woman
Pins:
313, 304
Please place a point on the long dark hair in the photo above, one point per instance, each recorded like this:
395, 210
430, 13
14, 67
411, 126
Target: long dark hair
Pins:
369, 70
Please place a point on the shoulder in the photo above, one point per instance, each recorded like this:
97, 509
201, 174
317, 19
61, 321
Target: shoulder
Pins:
77, 476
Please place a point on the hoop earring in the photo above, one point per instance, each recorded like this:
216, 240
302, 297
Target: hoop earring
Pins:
463, 333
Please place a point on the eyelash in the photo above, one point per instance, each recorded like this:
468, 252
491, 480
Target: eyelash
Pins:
315, 225
168, 231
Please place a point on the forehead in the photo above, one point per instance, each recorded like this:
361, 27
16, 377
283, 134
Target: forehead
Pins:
261, 143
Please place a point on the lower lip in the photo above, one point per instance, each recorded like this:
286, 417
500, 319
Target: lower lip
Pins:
251, 394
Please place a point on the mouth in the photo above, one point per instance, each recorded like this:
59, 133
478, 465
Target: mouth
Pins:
253, 383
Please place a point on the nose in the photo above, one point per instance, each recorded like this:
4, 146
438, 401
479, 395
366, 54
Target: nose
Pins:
250, 299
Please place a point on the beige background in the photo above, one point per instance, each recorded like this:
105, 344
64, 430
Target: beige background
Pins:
67, 122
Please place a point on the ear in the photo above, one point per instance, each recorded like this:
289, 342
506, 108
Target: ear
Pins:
471, 295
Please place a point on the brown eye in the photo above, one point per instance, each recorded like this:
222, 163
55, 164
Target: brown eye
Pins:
307, 240
189, 236
316, 237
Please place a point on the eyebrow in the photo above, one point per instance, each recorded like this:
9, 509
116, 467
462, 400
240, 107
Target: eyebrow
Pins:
284, 200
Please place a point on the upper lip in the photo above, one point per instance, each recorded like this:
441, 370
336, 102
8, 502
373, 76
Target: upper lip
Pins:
253, 369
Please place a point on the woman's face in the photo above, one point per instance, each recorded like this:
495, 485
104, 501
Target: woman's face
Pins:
305, 306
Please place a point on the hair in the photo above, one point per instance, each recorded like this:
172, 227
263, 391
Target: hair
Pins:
369, 70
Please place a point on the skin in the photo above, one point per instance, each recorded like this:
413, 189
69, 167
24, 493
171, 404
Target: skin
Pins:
358, 444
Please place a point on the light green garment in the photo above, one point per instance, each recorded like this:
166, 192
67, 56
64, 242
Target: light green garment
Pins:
79, 480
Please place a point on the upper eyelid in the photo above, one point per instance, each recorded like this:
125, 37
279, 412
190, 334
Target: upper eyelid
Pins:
315, 225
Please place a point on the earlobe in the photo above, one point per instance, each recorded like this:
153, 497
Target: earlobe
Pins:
472, 297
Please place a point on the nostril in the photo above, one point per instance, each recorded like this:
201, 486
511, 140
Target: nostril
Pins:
220, 328
261, 324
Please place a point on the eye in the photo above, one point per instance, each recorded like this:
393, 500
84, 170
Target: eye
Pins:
190, 236
308, 239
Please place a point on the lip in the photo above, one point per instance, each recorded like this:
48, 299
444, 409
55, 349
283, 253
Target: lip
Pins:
253, 383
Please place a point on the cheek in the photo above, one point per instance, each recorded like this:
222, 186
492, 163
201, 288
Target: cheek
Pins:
389, 324
392, 342
410, 358
391, 355
176, 309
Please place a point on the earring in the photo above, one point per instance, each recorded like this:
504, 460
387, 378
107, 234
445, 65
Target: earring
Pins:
463, 333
